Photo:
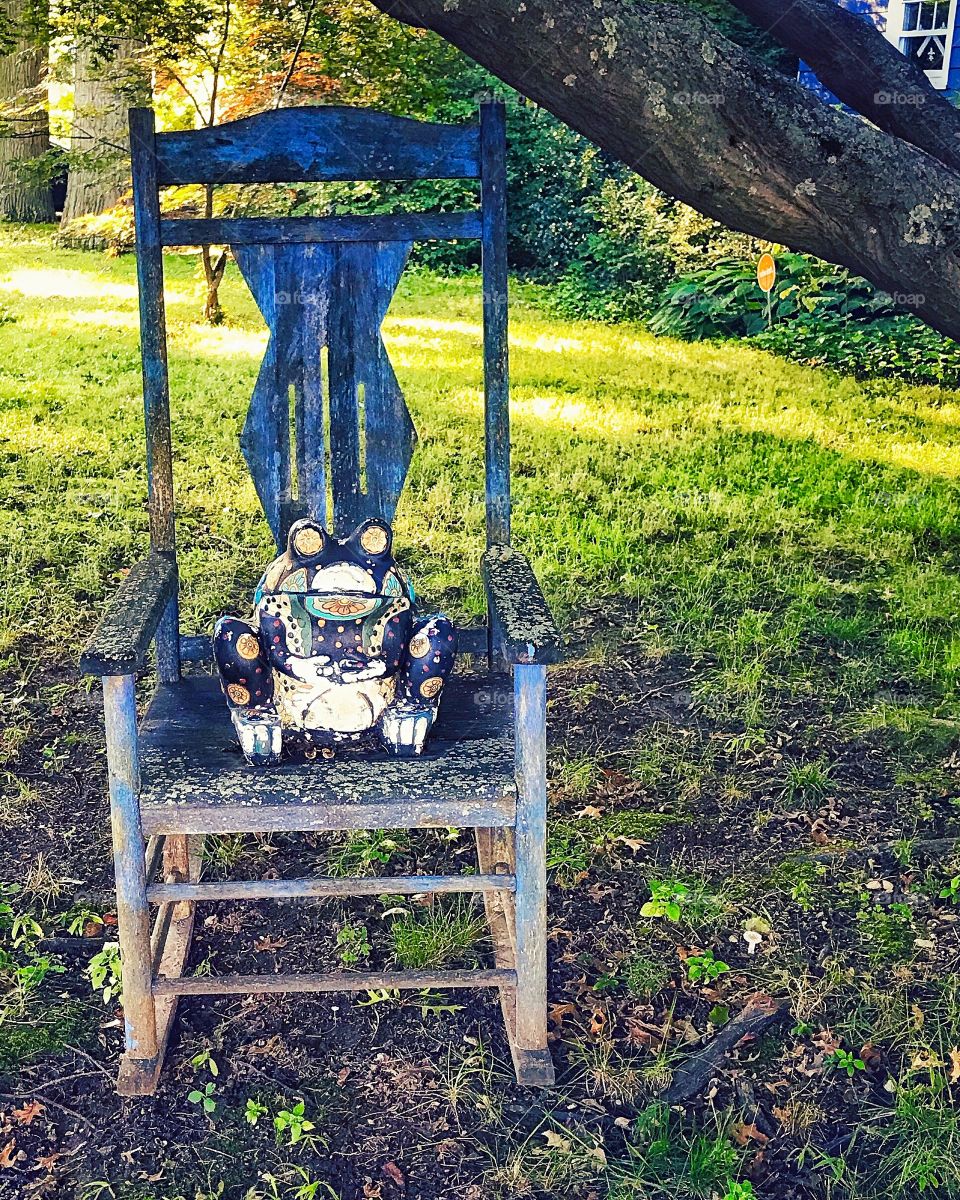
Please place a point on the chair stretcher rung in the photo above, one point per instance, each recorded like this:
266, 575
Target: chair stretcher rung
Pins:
282, 889
335, 981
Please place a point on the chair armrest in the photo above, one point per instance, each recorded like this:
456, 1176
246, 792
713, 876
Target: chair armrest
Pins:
119, 643
519, 611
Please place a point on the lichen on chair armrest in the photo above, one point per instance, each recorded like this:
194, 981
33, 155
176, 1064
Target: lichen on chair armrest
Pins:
526, 627
120, 642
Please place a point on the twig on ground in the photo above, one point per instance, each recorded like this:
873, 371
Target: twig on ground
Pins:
692, 1076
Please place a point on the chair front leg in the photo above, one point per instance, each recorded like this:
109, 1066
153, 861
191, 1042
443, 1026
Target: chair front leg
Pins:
530, 705
133, 913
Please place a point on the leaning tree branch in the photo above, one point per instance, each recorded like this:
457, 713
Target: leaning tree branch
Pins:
857, 63
660, 88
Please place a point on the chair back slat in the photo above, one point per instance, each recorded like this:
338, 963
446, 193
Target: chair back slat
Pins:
328, 433
324, 143
386, 227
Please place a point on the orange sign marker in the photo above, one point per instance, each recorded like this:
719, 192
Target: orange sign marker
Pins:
766, 273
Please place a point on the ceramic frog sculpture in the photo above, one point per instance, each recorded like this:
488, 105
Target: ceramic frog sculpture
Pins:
334, 649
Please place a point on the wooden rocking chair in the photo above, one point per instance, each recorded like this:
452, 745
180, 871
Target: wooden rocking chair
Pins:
322, 282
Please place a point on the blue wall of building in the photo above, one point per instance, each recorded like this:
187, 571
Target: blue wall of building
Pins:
876, 11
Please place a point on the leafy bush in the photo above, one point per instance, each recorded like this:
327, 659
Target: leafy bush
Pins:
725, 301
821, 315
640, 240
901, 345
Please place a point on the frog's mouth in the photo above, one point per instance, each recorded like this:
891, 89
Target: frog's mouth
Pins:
341, 604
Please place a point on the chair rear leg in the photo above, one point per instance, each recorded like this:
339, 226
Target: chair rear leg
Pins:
530, 1027
133, 914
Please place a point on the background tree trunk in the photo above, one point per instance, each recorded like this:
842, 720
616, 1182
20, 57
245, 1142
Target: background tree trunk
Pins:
98, 136
659, 87
24, 125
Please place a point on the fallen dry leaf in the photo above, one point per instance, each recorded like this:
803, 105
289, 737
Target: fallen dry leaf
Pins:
392, 1172
744, 1134
27, 1114
8, 1154
955, 1065
269, 943
557, 1012
556, 1142
870, 1054
589, 810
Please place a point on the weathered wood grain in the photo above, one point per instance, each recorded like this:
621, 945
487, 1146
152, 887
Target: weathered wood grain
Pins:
334, 981
318, 143
156, 386
289, 889
171, 953
129, 846
694, 1073
496, 386
265, 438
258, 231
120, 642
526, 630
530, 901
194, 779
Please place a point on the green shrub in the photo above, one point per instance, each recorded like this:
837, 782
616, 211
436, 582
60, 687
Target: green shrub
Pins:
898, 345
821, 315
725, 301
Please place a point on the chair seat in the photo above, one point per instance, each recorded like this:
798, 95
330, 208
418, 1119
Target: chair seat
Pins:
194, 778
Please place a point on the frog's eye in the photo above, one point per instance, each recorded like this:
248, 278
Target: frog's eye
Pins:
307, 539
374, 537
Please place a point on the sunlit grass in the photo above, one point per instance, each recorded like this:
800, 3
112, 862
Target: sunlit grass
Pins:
756, 511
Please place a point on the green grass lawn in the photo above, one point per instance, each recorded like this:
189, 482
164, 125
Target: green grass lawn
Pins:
779, 543
751, 507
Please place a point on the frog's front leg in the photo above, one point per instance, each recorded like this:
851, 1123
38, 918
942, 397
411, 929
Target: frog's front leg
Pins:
247, 681
428, 661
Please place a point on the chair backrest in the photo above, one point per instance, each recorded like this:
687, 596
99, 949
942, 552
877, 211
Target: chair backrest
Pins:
322, 282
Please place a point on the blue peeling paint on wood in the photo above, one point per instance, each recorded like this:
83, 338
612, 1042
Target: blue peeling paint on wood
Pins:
322, 142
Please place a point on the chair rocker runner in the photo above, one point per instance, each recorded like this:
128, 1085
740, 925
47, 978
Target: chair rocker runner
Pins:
322, 282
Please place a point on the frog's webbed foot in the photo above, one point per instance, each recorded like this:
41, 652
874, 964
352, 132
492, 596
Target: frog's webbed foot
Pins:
404, 726
247, 683
260, 734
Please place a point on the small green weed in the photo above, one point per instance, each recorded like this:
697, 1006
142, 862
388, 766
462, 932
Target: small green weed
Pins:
291, 1124
353, 944
807, 785
253, 1111
105, 973
704, 968
364, 850
845, 1060
644, 976
204, 1097
667, 898
888, 932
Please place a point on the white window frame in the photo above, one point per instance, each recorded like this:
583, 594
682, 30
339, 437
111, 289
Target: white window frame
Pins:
894, 33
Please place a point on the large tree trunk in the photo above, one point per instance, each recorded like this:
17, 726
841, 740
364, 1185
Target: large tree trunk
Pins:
24, 125
659, 87
98, 136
